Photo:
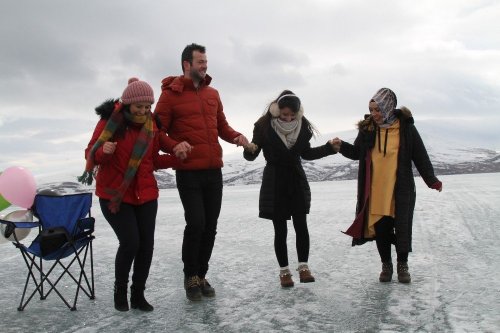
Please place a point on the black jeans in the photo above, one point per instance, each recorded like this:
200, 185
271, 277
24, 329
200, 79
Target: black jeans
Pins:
384, 237
135, 228
201, 195
301, 239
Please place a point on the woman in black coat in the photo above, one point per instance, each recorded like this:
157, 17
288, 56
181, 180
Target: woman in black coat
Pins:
283, 134
386, 145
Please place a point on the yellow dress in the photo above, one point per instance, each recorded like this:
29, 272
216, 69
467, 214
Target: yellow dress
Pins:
383, 178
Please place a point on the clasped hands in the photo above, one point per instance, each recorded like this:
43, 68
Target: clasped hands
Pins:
335, 143
182, 149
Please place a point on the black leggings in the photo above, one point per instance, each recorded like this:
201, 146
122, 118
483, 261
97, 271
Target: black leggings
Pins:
135, 227
384, 231
301, 239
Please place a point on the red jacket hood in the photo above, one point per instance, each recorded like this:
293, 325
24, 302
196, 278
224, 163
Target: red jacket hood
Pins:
179, 83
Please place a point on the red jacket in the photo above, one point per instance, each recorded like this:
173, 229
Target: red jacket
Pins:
196, 116
111, 167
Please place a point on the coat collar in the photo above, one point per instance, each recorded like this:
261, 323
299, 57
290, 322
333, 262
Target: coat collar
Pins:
180, 83
403, 114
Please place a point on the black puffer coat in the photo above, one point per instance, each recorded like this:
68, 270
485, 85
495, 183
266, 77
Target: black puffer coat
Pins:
285, 190
411, 149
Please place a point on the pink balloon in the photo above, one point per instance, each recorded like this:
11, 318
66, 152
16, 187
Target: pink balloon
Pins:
17, 186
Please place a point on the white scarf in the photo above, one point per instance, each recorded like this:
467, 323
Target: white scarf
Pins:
287, 131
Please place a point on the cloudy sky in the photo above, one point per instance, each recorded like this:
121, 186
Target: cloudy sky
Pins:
61, 58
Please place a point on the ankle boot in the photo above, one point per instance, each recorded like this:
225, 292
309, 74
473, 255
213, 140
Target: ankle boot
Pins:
286, 280
403, 274
137, 300
305, 274
386, 274
120, 296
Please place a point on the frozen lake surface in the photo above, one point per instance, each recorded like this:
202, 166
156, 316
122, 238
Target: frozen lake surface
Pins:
455, 267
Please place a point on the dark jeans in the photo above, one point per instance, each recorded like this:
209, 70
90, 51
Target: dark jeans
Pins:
135, 227
201, 195
301, 239
384, 237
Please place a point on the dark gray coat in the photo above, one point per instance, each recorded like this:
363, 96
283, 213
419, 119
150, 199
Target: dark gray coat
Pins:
411, 149
285, 190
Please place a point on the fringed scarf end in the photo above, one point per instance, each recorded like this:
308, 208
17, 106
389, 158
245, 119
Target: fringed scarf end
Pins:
86, 178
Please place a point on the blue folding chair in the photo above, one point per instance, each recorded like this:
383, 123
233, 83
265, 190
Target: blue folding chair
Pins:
65, 228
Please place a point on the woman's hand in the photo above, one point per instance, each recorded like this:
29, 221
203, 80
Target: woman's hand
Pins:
251, 147
109, 147
438, 186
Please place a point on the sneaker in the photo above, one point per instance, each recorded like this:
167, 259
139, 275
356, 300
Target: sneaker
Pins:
403, 274
192, 286
206, 289
305, 274
386, 274
286, 279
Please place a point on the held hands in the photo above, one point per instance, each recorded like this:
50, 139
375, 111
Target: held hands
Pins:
335, 143
251, 147
109, 147
181, 150
241, 141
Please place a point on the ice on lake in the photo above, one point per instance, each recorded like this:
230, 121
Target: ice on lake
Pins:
454, 266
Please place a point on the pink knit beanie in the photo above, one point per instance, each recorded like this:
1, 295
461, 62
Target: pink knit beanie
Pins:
137, 92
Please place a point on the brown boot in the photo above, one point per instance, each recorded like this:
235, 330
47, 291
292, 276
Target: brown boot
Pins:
206, 289
386, 274
192, 286
286, 279
305, 274
403, 274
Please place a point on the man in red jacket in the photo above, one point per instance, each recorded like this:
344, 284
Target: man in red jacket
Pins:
191, 113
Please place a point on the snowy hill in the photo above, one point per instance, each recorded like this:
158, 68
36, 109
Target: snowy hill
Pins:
449, 153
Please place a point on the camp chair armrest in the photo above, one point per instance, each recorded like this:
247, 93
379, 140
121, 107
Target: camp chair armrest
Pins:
21, 224
86, 223
11, 226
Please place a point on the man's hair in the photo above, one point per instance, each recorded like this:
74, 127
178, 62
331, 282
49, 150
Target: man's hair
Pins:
187, 54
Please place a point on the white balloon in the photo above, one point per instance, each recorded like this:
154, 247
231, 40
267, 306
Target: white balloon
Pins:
2, 238
23, 215
2, 226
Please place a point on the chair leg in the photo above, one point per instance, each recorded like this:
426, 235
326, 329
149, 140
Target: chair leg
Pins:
92, 294
82, 280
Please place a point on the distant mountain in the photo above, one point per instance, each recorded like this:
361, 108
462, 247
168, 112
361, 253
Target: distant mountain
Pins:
448, 154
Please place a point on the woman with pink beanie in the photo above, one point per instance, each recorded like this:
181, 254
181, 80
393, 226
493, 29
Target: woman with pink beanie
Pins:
123, 154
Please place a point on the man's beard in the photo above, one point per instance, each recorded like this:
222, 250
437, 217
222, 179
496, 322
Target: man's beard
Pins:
196, 76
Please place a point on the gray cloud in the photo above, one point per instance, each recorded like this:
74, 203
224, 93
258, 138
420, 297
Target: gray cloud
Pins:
59, 59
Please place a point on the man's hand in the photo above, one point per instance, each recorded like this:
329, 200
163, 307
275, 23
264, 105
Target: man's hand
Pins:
181, 150
240, 140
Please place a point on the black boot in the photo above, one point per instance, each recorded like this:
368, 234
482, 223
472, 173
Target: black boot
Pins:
403, 274
386, 274
137, 300
120, 296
